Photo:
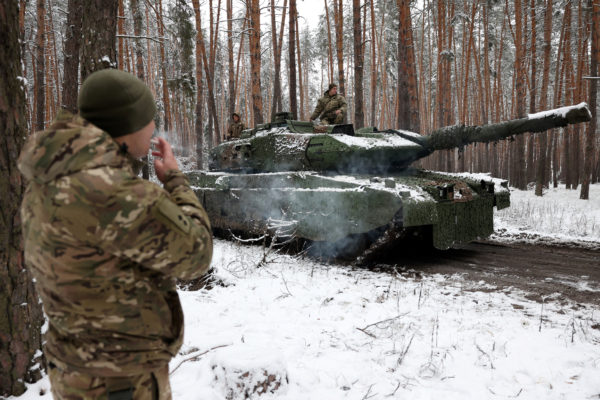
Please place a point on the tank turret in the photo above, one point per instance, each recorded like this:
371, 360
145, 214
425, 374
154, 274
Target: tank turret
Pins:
354, 192
288, 145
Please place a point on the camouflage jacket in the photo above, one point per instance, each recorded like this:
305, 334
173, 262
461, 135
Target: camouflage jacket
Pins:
105, 247
327, 106
235, 130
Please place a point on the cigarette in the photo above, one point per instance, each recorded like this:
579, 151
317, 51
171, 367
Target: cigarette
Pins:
154, 140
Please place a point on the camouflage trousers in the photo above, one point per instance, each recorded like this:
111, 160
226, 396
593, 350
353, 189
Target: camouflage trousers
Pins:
71, 385
333, 119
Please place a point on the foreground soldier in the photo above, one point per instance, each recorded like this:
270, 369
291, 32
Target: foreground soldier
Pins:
235, 127
105, 246
331, 108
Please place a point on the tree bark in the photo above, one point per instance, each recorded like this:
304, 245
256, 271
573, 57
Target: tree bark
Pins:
541, 173
359, 60
255, 61
70, 84
277, 44
40, 67
99, 36
593, 85
292, 59
231, 77
520, 81
408, 99
338, 11
20, 310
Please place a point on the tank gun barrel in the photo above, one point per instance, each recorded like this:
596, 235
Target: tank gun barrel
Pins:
451, 137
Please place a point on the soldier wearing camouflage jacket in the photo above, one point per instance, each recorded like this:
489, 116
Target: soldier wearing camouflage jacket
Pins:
331, 108
105, 248
236, 126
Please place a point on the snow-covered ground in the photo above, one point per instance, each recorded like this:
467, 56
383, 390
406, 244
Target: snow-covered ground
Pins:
305, 330
557, 217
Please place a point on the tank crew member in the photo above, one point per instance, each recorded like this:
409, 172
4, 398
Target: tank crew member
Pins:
236, 126
105, 246
331, 108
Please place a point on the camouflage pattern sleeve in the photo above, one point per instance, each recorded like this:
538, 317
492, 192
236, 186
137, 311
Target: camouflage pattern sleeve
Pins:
164, 230
343, 104
318, 109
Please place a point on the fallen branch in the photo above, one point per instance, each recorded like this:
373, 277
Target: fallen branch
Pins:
196, 356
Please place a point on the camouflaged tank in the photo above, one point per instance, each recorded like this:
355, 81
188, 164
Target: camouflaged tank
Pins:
354, 190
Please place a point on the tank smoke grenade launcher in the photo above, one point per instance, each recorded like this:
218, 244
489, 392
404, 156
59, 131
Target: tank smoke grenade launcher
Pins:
355, 191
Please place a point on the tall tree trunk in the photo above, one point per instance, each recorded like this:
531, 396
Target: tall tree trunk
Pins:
99, 36
199, 127
590, 134
138, 28
292, 59
163, 68
255, 61
408, 99
541, 172
373, 64
121, 33
71, 64
359, 60
231, 77
521, 84
40, 67
338, 11
277, 44
300, 78
20, 310
329, 43
211, 96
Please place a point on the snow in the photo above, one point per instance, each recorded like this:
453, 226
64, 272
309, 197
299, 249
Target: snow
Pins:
367, 142
558, 111
337, 332
557, 217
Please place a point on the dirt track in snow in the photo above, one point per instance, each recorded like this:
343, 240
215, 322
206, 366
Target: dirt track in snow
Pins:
560, 272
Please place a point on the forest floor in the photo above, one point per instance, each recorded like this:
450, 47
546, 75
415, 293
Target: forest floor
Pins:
517, 316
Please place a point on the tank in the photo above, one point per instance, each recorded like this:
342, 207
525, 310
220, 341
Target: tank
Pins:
354, 192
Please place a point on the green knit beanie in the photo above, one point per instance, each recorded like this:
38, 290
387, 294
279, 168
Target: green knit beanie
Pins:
116, 102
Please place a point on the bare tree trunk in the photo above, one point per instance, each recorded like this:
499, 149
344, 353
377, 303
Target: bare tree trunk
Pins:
373, 65
338, 12
121, 33
329, 42
541, 173
71, 64
408, 99
292, 59
594, 5
255, 61
40, 67
99, 36
231, 78
211, 97
138, 27
20, 310
277, 44
359, 60
521, 84
199, 130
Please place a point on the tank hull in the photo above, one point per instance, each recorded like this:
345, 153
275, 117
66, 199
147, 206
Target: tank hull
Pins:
330, 208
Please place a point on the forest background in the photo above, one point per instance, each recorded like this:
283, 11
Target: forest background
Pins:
416, 65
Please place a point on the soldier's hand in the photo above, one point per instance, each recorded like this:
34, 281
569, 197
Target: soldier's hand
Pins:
338, 111
165, 159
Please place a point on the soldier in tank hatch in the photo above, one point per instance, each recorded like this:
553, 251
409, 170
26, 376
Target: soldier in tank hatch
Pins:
236, 126
105, 246
331, 108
